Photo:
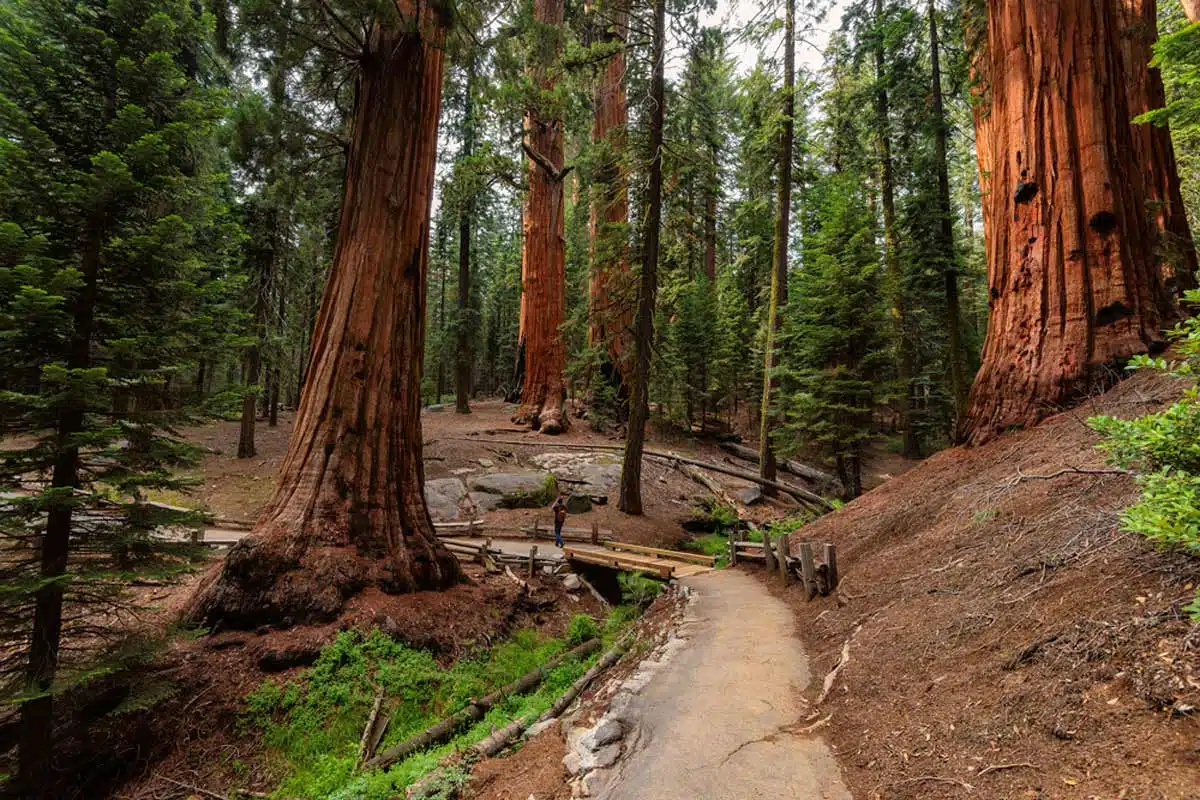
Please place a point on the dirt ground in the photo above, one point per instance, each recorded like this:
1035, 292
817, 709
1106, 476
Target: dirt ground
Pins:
1006, 640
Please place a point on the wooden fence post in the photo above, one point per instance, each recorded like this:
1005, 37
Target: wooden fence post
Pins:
768, 555
733, 549
808, 572
831, 565
536, 532
532, 560
784, 572
595, 532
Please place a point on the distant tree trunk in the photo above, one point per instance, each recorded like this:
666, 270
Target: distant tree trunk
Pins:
1153, 147
543, 265
201, 379
891, 243
37, 715
252, 370
643, 338
1075, 287
955, 351
610, 312
441, 355
710, 222
462, 372
350, 510
768, 420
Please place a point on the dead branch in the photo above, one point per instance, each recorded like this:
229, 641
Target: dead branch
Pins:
998, 767
557, 175
365, 747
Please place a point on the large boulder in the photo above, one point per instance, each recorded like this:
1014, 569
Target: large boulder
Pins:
443, 496
591, 473
484, 502
578, 503
518, 489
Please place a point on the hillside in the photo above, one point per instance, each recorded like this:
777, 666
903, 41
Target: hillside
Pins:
1004, 635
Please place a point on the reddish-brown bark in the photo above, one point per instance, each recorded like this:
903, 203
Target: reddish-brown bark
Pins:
349, 511
610, 302
1076, 287
1152, 144
543, 260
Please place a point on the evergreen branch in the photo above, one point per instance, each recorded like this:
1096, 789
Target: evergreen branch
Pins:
557, 175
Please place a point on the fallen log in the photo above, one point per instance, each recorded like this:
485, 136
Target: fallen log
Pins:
575, 689
708, 483
820, 478
803, 495
475, 711
371, 733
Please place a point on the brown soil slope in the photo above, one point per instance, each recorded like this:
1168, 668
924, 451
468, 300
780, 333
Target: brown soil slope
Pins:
1006, 639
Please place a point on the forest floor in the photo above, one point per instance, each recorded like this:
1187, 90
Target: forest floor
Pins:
1005, 639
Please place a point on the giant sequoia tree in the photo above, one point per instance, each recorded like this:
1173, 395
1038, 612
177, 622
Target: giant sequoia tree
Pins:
543, 267
610, 310
350, 512
1076, 285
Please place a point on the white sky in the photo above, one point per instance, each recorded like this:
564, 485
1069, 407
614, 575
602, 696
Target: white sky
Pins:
812, 28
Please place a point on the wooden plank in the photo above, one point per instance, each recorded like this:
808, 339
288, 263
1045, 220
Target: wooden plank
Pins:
768, 552
658, 551
687, 570
831, 565
784, 572
662, 569
808, 572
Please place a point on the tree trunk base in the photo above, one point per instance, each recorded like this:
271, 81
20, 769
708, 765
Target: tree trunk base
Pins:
549, 418
262, 583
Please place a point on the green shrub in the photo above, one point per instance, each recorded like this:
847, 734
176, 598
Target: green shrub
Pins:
1163, 449
581, 628
638, 590
313, 723
710, 544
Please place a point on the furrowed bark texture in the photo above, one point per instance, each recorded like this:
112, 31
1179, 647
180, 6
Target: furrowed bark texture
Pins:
1154, 151
349, 512
464, 358
1075, 285
543, 259
610, 286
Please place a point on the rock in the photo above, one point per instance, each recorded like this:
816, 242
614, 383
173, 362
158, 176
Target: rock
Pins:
572, 763
750, 495
443, 496
518, 489
599, 499
606, 756
484, 501
578, 503
437, 407
607, 731
592, 473
486, 463
572, 583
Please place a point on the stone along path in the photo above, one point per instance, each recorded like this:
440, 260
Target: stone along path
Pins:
719, 720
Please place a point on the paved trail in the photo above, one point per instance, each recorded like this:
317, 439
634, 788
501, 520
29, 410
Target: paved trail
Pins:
715, 722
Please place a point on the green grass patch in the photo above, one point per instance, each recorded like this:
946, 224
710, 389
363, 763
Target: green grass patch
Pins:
312, 724
710, 544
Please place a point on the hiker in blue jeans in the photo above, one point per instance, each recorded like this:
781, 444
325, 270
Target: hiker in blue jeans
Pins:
560, 516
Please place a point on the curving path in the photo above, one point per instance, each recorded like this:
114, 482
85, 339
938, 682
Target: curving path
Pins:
720, 721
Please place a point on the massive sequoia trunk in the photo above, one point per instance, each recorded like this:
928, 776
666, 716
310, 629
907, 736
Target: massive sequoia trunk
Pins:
769, 419
543, 260
1154, 151
1075, 284
643, 341
610, 309
349, 512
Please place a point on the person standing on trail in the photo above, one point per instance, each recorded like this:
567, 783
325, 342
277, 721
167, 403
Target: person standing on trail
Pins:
560, 516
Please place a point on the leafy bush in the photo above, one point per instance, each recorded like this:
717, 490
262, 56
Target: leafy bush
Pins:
710, 544
581, 628
638, 590
1164, 450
